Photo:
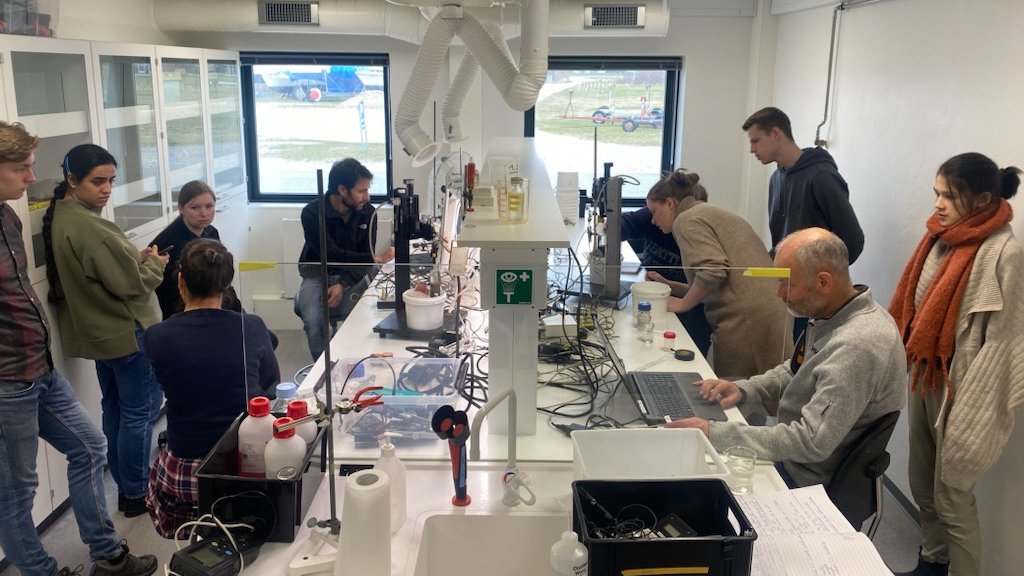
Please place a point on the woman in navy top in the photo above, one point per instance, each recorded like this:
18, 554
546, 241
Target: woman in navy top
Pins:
196, 207
207, 376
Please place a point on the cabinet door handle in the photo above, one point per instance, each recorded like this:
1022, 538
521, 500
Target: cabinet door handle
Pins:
131, 235
221, 210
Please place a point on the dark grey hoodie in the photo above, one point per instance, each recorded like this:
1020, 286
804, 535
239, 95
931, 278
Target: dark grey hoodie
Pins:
811, 193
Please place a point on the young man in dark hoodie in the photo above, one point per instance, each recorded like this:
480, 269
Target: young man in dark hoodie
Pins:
806, 190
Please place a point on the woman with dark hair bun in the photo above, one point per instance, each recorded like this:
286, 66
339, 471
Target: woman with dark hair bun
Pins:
209, 362
960, 310
196, 208
103, 288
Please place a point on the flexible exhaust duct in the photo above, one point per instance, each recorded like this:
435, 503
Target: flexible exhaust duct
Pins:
519, 86
451, 110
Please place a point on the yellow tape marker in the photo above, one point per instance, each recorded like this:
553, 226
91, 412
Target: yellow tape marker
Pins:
766, 272
250, 266
667, 571
33, 206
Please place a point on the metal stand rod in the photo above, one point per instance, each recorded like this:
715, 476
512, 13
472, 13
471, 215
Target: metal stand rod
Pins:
322, 207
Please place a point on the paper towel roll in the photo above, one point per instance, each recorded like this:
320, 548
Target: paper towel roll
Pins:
364, 548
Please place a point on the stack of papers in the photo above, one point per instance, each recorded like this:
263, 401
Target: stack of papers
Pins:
801, 533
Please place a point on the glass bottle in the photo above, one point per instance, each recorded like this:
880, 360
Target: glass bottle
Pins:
518, 206
644, 322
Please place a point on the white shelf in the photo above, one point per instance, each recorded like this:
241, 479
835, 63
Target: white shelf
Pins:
128, 116
56, 124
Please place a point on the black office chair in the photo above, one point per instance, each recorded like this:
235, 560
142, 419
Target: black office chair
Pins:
856, 486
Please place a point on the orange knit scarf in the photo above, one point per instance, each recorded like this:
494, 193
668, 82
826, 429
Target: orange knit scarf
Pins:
929, 333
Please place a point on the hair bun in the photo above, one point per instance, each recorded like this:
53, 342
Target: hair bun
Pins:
692, 177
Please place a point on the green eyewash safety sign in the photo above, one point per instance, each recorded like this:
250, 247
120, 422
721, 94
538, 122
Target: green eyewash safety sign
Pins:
513, 286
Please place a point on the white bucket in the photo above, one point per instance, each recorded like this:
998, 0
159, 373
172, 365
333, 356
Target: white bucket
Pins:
423, 312
654, 292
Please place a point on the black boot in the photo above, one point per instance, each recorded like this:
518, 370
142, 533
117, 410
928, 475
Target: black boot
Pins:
926, 568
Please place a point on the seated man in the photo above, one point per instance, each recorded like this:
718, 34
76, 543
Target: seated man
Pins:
848, 369
660, 257
348, 213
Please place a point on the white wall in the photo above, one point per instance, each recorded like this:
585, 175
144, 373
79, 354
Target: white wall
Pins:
110, 21
917, 82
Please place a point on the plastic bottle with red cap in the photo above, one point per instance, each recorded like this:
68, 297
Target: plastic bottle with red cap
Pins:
254, 432
300, 409
285, 452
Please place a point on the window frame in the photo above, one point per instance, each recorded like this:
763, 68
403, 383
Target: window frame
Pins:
673, 67
250, 58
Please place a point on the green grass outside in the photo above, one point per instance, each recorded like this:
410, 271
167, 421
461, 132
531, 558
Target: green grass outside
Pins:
588, 98
307, 151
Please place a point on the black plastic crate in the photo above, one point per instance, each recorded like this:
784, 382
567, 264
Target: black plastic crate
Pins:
218, 477
717, 547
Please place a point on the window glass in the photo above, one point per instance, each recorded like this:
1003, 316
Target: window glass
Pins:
308, 116
618, 106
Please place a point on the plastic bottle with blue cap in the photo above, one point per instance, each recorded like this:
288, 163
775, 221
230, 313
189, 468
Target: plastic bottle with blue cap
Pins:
285, 393
644, 322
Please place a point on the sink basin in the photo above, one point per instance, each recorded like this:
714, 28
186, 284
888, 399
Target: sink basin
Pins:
497, 545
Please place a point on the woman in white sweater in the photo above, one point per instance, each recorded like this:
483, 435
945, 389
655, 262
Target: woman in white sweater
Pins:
960, 309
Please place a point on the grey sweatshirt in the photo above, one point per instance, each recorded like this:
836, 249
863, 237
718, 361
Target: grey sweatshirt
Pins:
854, 371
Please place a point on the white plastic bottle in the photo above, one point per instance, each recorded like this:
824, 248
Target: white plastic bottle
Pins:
254, 432
286, 448
568, 556
395, 469
300, 409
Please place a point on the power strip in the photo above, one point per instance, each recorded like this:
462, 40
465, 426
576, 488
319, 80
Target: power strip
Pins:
555, 328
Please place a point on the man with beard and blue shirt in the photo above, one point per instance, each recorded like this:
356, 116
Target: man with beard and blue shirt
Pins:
349, 257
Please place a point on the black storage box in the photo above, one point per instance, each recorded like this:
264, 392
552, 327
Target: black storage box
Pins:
218, 476
703, 505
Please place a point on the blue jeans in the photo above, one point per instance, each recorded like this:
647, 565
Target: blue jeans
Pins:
309, 306
62, 421
130, 406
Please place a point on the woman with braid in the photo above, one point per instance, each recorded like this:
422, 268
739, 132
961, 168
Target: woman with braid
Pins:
960, 310
103, 287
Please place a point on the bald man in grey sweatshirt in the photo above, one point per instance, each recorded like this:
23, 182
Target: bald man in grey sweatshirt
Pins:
849, 368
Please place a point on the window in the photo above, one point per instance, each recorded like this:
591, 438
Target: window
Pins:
307, 111
629, 103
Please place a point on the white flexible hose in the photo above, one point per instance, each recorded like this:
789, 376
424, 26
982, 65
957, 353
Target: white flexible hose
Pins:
451, 119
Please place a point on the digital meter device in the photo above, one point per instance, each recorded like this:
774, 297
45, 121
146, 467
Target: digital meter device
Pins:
215, 556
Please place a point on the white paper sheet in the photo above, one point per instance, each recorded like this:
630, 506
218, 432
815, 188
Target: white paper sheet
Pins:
801, 533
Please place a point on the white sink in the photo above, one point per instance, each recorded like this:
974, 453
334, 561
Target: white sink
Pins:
470, 544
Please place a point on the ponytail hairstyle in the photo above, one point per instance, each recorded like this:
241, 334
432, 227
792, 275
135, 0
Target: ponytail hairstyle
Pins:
78, 162
678, 185
206, 267
972, 174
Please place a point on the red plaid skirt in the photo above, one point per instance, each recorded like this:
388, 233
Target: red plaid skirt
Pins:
173, 497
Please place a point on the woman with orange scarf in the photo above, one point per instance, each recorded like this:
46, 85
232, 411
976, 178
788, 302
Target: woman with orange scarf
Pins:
959, 308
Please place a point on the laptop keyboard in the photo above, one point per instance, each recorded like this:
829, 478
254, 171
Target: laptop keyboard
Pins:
666, 396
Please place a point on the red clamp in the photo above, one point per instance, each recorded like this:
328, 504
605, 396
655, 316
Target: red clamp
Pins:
359, 403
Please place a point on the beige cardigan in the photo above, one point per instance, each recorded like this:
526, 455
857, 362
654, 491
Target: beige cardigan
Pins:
988, 366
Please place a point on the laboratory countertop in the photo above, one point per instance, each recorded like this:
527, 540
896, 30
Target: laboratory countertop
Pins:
351, 341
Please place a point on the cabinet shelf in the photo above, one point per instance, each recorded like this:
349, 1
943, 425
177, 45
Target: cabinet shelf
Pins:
57, 124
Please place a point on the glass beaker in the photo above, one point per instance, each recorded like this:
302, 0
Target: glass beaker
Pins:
518, 199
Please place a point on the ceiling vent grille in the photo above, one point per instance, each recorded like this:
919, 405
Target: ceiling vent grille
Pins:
613, 16
290, 13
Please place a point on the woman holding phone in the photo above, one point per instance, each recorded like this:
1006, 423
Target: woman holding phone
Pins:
196, 208
103, 288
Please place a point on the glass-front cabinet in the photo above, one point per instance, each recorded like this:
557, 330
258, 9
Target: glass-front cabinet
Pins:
225, 114
181, 89
127, 93
47, 88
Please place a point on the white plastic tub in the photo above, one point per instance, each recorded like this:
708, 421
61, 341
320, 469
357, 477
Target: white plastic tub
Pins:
644, 454
423, 312
654, 292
